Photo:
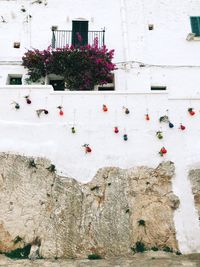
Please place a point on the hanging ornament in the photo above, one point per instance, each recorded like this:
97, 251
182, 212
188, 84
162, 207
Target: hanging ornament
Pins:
17, 106
126, 110
28, 101
171, 125
159, 134
61, 112
73, 130
164, 118
162, 151
105, 108
125, 137
116, 130
191, 111
147, 118
182, 127
40, 111
87, 148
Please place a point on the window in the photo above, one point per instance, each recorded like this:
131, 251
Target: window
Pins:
110, 86
106, 88
195, 24
151, 27
14, 80
158, 88
58, 85
79, 32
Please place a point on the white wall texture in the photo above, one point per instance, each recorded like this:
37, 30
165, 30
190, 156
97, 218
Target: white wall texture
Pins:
170, 60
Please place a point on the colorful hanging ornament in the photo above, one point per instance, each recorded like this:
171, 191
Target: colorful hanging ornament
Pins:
147, 118
28, 101
191, 111
73, 130
162, 151
164, 118
182, 127
116, 129
125, 137
126, 110
171, 125
105, 108
61, 112
40, 111
159, 134
87, 148
17, 106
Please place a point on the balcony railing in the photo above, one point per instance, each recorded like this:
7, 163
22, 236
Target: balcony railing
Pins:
61, 38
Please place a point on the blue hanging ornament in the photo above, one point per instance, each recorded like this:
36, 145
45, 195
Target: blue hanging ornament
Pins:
171, 125
125, 136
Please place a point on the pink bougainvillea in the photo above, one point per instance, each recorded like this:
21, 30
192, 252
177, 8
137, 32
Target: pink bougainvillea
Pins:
81, 67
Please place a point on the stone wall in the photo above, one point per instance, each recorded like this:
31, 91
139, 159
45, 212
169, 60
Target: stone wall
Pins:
65, 218
194, 176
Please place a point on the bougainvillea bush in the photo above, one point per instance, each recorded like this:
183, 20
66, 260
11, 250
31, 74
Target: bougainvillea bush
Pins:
81, 67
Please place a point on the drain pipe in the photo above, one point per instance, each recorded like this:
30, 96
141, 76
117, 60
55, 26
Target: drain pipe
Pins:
125, 66
124, 30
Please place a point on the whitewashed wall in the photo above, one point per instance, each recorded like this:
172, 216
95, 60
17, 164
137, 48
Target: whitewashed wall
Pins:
126, 23
50, 136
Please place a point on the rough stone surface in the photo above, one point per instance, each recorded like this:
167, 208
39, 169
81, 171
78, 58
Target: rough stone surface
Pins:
194, 176
67, 219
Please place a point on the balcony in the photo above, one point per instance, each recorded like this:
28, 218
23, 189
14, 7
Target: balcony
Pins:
61, 38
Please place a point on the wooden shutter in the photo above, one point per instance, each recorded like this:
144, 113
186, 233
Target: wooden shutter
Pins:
79, 32
195, 24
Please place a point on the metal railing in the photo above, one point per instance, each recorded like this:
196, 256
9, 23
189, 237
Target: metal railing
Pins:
61, 38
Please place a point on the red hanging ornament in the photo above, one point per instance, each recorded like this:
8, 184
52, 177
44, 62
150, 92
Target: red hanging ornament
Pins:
182, 127
105, 108
191, 111
87, 148
116, 130
162, 151
147, 118
28, 101
61, 112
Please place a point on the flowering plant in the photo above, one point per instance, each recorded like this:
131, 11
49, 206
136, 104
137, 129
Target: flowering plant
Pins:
81, 67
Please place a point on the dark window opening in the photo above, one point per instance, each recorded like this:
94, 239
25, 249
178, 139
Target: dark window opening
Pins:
106, 88
158, 88
110, 86
195, 25
15, 80
58, 85
79, 32
151, 27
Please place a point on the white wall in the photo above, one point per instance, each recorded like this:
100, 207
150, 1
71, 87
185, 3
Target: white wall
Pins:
50, 136
126, 23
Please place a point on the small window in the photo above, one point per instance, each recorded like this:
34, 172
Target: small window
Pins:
158, 88
106, 88
14, 80
58, 85
110, 86
195, 24
151, 27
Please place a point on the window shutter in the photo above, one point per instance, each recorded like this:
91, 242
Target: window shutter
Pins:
195, 24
